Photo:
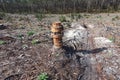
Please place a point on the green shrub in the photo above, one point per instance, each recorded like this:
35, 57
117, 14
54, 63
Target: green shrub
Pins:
116, 18
2, 15
99, 16
35, 41
40, 16
112, 39
2, 42
43, 76
86, 15
75, 16
24, 46
20, 36
113, 19
79, 16
72, 16
30, 33
62, 19
9, 18
21, 18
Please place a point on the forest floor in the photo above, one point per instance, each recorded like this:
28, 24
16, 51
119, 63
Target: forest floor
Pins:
26, 48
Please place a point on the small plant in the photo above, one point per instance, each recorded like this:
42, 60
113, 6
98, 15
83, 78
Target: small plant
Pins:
57, 54
30, 33
8, 18
86, 15
62, 19
79, 16
112, 39
2, 42
75, 16
20, 36
113, 19
2, 15
72, 16
36, 41
40, 16
99, 16
43, 76
24, 47
116, 18
22, 27
21, 18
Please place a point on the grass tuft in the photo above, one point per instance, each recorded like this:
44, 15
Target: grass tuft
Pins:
2, 42
43, 76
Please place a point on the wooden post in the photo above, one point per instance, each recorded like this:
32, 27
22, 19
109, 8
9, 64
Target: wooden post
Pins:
57, 33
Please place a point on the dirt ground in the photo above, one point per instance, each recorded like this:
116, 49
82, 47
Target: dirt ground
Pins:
28, 49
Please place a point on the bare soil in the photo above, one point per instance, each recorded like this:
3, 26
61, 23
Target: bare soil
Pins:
21, 59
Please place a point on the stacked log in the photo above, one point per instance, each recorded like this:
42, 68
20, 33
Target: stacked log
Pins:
57, 33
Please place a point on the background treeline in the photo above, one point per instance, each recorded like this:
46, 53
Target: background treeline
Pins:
59, 6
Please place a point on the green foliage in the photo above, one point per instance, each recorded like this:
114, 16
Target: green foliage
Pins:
86, 15
43, 76
72, 16
35, 41
30, 33
21, 18
79, 16
116, 18
20, 36
62, 19
2, 15
99, 16
2, 42
25, 46
75, 16
40, 16
113, 19
57, 54
112, 39
8, 18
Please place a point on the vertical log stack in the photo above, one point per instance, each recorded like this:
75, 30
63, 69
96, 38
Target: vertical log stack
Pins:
57, 33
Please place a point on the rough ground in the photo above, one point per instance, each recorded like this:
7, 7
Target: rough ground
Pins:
20, 59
